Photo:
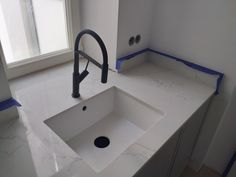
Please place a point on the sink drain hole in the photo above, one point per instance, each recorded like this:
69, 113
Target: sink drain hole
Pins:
101, 142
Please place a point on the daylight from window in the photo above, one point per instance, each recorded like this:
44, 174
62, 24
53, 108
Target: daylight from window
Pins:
30, 28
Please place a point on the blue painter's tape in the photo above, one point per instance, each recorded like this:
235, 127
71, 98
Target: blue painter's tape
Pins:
187, 63
9, 103
121, 60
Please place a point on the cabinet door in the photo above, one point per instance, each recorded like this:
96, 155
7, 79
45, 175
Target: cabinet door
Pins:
187, 140
160, 164
232, 172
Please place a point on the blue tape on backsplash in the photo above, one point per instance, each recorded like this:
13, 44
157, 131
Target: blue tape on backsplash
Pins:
187, 63
121, 60
8, 104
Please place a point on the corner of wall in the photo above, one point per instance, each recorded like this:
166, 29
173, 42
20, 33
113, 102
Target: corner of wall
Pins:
4, 95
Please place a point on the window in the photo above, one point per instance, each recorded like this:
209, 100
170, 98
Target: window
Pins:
30, 29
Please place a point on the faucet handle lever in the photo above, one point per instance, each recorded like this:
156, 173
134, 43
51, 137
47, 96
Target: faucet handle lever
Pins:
82, 75
86, 67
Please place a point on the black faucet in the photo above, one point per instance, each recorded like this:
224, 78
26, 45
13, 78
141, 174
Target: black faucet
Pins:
78, 77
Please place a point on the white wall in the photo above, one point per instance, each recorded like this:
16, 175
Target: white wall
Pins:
102, 17
202, 31
5, 94
134, 18
116, 21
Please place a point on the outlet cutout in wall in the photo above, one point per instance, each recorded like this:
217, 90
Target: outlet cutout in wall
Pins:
137, 38
131, 41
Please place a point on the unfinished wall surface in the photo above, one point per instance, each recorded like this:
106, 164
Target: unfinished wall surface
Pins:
102, 17
4, 95
134, 19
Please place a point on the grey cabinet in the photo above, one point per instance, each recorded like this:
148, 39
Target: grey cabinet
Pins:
232, 172
173, 157
159, 165
187, 140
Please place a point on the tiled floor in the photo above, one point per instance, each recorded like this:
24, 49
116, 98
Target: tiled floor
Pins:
204, 172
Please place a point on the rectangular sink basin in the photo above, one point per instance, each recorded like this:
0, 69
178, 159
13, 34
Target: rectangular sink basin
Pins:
102, 127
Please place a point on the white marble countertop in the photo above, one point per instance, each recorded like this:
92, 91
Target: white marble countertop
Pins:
29, 148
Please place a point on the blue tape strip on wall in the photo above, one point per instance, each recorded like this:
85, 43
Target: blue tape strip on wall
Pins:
8, 104
187, 63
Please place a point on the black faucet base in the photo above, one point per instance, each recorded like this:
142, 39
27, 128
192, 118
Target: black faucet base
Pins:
75, 95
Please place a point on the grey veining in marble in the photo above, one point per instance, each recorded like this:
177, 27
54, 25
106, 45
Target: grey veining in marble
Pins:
28, 148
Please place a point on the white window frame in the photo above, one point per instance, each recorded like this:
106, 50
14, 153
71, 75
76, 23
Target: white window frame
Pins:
29, 65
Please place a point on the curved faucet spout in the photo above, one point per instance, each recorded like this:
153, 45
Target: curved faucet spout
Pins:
78, 77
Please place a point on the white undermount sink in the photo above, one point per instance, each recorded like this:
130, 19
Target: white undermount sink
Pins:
118, 118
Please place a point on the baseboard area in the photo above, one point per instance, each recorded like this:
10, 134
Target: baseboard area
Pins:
203, 172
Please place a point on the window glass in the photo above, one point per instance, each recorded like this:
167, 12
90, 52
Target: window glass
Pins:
31, 28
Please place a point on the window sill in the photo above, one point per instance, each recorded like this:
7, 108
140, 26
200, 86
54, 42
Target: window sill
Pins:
34, 64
